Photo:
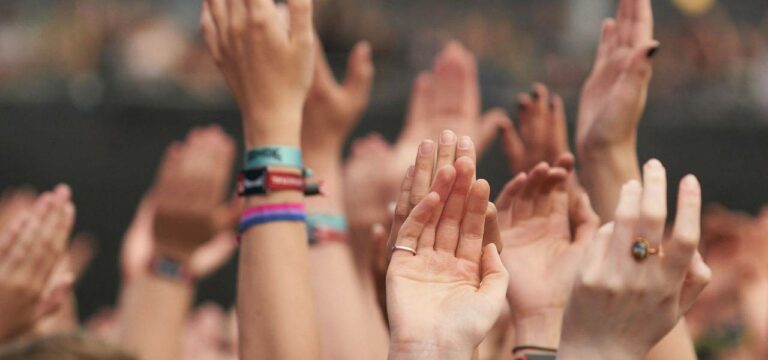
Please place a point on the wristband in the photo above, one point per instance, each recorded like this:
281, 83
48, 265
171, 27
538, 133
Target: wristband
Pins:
169, 269
263, 180
273, 156
536, 357
326, 228
271, 213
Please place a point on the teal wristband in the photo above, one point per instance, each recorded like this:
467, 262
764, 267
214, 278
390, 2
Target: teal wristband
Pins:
273, 156
327, 221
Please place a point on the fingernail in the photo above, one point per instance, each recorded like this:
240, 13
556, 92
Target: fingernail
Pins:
633, 185
535, 95
447, 137
465, 143
652, 51
426, 148
654, 163
520, 106
690, 181
551, 106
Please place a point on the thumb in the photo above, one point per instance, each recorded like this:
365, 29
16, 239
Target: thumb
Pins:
490, 123
585, 220
213, 254
360, 72
696, 280
641, 59
495, 276
55, 294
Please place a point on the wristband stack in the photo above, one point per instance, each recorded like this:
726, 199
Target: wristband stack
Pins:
326, 228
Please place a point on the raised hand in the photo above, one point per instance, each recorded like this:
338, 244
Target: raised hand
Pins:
542, 132
448, 97
267, 65
445, 290
31, 246
614, 95
541, 252
185, 216
332, 110
633, 284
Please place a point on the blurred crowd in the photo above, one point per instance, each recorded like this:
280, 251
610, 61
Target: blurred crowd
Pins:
93, 51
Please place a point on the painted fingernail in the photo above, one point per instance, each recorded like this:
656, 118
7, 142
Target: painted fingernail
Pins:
520, 106
426, 148
551, 106
652, 51
535, 95
447, 137
465, 143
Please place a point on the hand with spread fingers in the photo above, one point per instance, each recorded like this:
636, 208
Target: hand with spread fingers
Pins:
189, 197
634, 284
448, 97
542, 131
541, 251
332, 110
445, 290
32, 244
267, 61
614, 95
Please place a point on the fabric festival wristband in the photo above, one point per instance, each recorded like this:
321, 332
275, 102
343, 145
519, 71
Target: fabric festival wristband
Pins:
264, 180
170, 269
271, 213
273, 156
326, 228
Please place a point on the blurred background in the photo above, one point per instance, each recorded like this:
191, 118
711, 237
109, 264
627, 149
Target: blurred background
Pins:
91, 91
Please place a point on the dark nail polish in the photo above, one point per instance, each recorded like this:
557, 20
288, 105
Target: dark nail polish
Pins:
551, 106
535, 95
653, 51
520, 106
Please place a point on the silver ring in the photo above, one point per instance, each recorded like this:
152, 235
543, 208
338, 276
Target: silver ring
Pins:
404, 248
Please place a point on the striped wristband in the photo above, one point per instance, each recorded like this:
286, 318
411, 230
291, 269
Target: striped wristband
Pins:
326, 228
271, 213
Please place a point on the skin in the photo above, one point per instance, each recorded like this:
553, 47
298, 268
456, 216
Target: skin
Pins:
637, 302
611, 105
541, 252
31, 245
445, 298
269, 67
180, 220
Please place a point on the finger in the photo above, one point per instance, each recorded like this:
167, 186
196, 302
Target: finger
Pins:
54, 295
541, 98
238, 12
218, 11
412, 228
402, 208
490, 123
699, 275
547, 199
524, 204
492, 233
513, 146
451, 84
81, 253
566, 161
423, 170
642, 16
559, 126
681, 246
511, 189
360, 72
473, 225
210, 32
641, 65
449, 225
626, 219
324, 78
653, 207
212, 255
421, 98
495, 276
608, 39
11, 233
301, 27
466, 148
446, 151
444, 180
585, 220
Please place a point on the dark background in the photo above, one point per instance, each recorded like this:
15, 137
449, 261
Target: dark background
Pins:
75, 109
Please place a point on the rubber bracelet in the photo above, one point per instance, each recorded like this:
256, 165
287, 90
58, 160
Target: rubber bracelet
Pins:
273, 156
271, 213
170, 269
326, 228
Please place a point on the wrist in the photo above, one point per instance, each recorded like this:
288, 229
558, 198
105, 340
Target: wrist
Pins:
596, 350
428, 350
265, 128
540, 329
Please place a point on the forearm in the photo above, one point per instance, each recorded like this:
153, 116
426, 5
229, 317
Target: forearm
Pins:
603, 171
678, 344
154, 312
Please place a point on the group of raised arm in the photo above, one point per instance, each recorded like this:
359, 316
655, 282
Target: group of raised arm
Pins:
398, 251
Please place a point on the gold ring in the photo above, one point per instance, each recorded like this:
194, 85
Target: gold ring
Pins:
641, 249
404, 248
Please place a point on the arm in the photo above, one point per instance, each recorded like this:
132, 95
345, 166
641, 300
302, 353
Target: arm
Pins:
268, 66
